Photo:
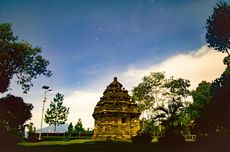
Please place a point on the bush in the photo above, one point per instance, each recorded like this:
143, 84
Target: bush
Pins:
143, 138
171, 138
32, 137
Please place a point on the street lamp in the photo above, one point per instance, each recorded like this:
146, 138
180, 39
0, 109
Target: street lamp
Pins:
47, 89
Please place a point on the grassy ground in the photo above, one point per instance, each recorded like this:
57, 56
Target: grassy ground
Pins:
92, 146
87, 145
52, 143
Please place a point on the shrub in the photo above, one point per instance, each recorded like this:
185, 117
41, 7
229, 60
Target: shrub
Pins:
32, 137
143, 138
171, 138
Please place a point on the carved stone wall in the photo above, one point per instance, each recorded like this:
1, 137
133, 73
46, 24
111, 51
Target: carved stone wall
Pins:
116, 114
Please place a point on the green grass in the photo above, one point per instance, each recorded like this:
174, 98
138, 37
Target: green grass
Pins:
45, 143
88, 145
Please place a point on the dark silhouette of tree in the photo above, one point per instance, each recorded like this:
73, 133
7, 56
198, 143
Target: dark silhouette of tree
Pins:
221, 106
218, 31
70, 129
13, 114
215, 113
20, 59
218, 109
202, 98
56, 114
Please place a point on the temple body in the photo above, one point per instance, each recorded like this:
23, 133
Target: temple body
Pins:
116, 114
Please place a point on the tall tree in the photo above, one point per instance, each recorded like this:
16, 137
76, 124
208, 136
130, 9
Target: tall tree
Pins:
218, 31
169, 116
56, 114
20, 59
150, 92
221, 104
158, 96
170, 113
218, 37
178, 89
79, 127
70, 129
202, 98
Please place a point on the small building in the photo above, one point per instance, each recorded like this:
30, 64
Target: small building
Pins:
116, 114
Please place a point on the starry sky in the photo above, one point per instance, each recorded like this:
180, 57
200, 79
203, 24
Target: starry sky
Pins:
88, 41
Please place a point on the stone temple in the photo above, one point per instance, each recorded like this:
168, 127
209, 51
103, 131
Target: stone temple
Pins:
116, 114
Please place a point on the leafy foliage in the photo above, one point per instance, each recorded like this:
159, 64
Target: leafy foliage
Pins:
221, 106
211, 101
13, 113
70, 128
79, 126
19, 58
57, 113
178, 88
150, 92
202, 98
211, 106
163, 99
218, 31
169, 115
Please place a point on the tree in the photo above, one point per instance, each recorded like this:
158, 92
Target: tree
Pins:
157, 94
221, 104
70, 128
218, 31
79, 126
178, 89
178, 92
20, 59
202, 98
13, 114
57, 113
150, 92
170, 113
31, 128
169, 116
218, 37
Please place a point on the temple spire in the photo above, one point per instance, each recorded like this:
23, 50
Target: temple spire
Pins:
116, 110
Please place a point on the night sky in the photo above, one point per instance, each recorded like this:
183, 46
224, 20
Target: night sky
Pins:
89, 41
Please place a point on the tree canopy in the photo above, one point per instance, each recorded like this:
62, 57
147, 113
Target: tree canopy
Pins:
70, 128
79, 126
218, 31
161, 100
150, 92
13, 113
20, 59
198, 110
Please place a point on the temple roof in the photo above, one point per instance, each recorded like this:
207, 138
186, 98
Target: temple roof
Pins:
116, 101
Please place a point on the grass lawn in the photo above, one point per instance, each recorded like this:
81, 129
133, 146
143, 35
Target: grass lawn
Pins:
92, 146
87, 145
52, 143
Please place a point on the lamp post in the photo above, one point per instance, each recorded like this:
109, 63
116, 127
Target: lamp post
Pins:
47, 89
